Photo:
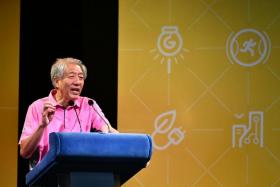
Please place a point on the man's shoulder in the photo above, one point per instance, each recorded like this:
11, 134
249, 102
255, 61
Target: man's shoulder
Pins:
84, 99
39, 101
85, 102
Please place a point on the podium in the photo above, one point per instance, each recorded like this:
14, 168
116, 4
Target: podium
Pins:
91, 159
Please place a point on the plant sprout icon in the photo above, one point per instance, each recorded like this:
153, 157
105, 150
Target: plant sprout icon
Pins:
163, 125
169, 45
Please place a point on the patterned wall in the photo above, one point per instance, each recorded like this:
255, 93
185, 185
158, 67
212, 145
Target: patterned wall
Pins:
9, 67
202, 77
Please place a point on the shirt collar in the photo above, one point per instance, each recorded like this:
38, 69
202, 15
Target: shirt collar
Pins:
55, 103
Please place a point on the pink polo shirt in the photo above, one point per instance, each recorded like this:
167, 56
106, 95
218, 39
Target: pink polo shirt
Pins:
64, 120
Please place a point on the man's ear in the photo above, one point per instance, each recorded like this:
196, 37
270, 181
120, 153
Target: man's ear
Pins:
57, 82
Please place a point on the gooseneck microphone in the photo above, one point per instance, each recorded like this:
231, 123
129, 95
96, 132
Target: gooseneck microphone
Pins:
71, 103
91, 103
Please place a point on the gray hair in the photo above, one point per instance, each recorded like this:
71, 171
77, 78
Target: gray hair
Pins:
59, 66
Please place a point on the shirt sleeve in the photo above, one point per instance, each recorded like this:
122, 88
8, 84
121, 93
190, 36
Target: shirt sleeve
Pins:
99, 118
31, 122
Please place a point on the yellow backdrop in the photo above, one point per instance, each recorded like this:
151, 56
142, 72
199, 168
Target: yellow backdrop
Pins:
9, 62
202, 77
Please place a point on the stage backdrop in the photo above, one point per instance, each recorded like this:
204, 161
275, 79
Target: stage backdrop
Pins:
9, 67
202, 77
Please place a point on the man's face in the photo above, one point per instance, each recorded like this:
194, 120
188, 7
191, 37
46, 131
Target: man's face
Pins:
72, 82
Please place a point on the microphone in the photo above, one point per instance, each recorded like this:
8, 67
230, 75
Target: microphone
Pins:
91, 103
71, 103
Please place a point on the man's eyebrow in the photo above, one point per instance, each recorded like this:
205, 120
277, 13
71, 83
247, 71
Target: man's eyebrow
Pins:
73, 72
69, 73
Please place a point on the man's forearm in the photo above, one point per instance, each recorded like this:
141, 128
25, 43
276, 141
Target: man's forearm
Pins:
29, 145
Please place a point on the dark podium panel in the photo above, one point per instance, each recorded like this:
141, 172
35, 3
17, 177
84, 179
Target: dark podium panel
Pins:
91, 159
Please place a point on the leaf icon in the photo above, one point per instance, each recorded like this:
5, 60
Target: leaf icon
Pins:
165, 121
